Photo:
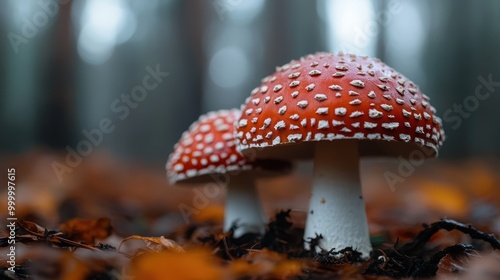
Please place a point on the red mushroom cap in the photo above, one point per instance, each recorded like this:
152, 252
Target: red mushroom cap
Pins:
208, 147
328, 97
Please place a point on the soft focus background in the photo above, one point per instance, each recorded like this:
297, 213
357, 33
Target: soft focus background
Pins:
67, 65
63, 66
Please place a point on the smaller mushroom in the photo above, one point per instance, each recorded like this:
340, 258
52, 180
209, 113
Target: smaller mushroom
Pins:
206, 153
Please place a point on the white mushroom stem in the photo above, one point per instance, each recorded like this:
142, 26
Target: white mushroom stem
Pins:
336, 209
243, 207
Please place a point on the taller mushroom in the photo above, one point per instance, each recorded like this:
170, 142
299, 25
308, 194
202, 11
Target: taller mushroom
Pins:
336, 108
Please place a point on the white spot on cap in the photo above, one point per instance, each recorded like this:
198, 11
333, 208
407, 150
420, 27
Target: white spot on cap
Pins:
319, 136
257, 138
320, 97
335, 87
322, 111
400, 101
331, 136
263, 89
277, 88
258, 110
372, 94
219, 146
294, 127
412, 90
303, 122
337, 123
256, 101
229, 136
369, 125
302, 103
243, 123
314, 72
254, 91
233, 158
387, 137
280, 125
191, 173
322, 124
282, 110
310, 87
276, 140
294, 83
267, 122
406, 113
355, 102
358, 83
266, 99
209, 138
353, 93
391, 126
188, 142
340, 111
386, 107
197, 154
254, 120
248, 111
269, 135
278, 99
383, 87
294, 94
205, 128
407, 124
375, 114
345, 129
294, 117
294, 75
294, 137
373, 136
419, 129
417, 116
356, 114
178, 167
214, 158
338, 74
401, 90
419, 140
356, 124
338, 94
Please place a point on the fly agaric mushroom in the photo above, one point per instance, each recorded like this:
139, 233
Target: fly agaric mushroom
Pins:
208, 150
336, 108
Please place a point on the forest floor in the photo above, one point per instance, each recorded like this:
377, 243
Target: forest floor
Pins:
111, 220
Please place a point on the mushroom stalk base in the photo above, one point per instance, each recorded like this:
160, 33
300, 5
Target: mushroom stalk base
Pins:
243, 207
336, 209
